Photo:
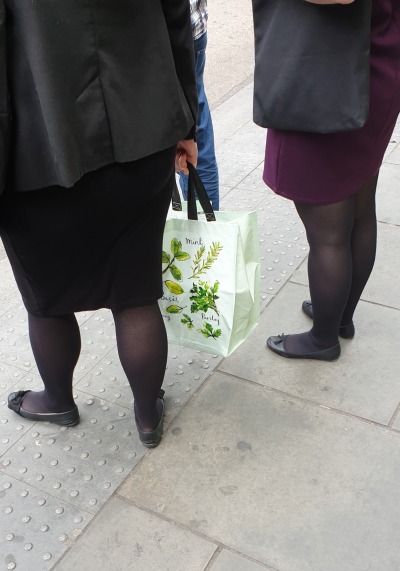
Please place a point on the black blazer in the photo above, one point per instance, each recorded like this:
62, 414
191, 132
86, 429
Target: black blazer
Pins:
84, 83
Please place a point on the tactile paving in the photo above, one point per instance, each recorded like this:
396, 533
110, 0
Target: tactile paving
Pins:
36, 528
97, 338
9, 376
15, 348
82, 465
186, 371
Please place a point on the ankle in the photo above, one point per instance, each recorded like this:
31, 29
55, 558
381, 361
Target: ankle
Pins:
147, 421
42, 402
346, 323
57, 403
324, 342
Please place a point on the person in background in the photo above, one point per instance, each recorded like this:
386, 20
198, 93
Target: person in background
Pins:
207, 163
98, 108
332, 180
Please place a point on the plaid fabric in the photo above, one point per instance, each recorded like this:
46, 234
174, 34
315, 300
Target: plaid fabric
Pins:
199, 15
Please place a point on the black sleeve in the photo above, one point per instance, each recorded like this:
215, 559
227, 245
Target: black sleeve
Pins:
177, 17
4, 102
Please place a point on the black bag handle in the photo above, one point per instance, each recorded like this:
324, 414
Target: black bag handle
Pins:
196, 186
176, 198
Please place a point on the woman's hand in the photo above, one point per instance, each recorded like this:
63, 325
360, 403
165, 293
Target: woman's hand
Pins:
186, 152
323, 2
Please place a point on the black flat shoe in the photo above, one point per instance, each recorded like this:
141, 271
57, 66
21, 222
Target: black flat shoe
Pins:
277, 345
345, 331
69, 418
153, 438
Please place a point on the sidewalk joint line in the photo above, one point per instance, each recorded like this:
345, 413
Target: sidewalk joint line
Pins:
213, 559
394, 417
311, 402
220, 545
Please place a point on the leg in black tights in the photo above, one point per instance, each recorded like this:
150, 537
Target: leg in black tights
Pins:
363, 246
342, 239
143, 348
56, 346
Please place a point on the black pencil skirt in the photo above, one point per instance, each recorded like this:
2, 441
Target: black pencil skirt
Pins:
97, 244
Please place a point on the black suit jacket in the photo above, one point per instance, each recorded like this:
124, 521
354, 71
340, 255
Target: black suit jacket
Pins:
84, 83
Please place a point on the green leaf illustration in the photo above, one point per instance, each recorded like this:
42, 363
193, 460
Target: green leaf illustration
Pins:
176, 273
177, 254
165, 258
199, 255
204, 297
186, 320
174, 288
182, 256
176, 246
200, 266
174, 309
208, 331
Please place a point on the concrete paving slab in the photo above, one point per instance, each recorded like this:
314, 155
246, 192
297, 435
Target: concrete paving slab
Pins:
9, 377
15, 348
230, 51
393, 152
238, 199
396, 425
3, 254
36, 527
389, 149
250, 139
12, 426
363, 382
278, 260
388, 195
300, 276
125, 538
9, 294
285, 482
228, 561
82, 465
185, 373
230, 116
382, 286
98, 339
83, 316
279, 221
254, 180
237, 158
223, 191
231, 167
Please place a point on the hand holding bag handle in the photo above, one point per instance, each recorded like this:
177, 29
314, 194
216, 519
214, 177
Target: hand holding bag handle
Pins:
196, 186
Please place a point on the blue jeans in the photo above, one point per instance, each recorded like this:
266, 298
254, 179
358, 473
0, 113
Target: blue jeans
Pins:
207, 163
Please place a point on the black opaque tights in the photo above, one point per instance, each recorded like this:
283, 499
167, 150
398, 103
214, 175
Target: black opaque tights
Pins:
342, 239
142, 347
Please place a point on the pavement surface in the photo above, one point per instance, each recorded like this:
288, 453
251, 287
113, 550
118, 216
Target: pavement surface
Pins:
266, 463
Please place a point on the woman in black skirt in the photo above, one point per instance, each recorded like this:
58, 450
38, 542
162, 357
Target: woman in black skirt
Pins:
97, 99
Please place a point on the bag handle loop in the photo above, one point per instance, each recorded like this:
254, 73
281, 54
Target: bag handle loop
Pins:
196, 186
176, 198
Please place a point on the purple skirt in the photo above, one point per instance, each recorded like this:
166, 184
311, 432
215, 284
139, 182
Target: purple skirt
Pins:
321, 169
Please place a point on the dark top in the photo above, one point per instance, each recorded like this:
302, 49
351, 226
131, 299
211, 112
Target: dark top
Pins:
86, 83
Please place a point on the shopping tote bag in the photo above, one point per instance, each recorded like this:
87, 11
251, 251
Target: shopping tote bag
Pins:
211, 275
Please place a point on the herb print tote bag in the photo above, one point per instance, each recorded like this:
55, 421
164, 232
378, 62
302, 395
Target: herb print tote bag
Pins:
211, 275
